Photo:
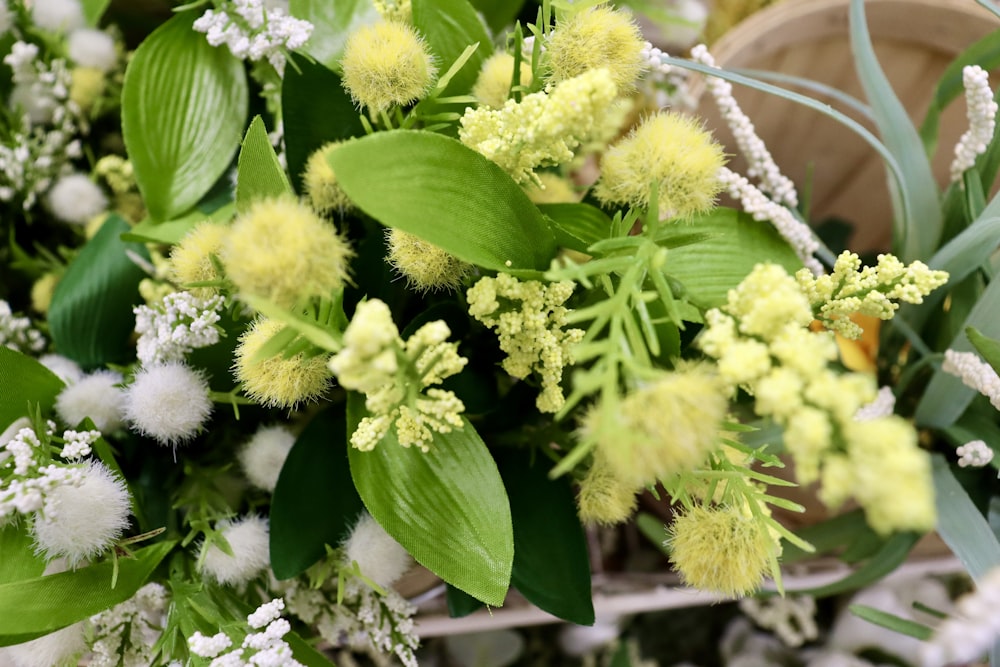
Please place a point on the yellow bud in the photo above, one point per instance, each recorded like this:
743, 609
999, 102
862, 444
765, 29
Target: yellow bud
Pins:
278, 382
324, 193
596, 38
551, 189
495, 77
41, 292
387, 64
191, 259
87, 85
604, 498
425, 266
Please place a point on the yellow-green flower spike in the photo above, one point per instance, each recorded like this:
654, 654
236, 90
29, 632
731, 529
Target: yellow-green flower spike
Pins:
426, 267
322, 190
495, 76
387, 64
278, 382
596, 38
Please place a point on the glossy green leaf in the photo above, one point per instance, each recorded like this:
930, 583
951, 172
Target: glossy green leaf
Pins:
551, 565
447, 194
172, 231
885, 560
41, 605
709, 269
577, 226
35, 385
184, 105
18, 560
90, 317
450, 26
316, 110
988, 348
314, 502
903, 626
259, 174
447, 507
333, 22
961, 525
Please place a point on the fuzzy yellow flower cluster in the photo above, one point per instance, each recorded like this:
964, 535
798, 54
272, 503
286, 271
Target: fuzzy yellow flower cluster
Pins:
426, 267
869, 290
528, 318
394, 377
191, 259
394, 10
543, 128
600, 37
322, 189
279, 381
387, 64
495, 76
604, 498
761, 342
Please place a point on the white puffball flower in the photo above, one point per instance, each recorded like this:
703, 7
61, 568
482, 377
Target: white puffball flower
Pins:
62, 367
88, 47
55, 648
380, 557
79, 522
94, 396
76, 199
58, 15
248, 539
168, 403
264, 454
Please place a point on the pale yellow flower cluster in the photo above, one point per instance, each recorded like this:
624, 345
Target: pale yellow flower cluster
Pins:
868, 290
528, 318
544, 128
394, 377
761, 342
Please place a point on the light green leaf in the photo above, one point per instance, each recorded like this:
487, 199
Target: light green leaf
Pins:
447, 194
449, 26
447, 507
895, 623
961, 525
172, 231
18, 560
967, 251
90, 317
333, 22
26, 381
259, 174
577, 226
184, 105
93, 10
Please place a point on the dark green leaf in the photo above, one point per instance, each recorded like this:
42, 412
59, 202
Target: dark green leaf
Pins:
314, 502
25, 381
449, 26
895, 623
447, 194
887, 559
304, 653
460, 603
91, 316
18, 560
577, 226
259, 174
498, 13
184, 105
333, 22
447, 507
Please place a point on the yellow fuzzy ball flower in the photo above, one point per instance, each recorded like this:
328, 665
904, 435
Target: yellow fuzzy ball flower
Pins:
191, 259
551, 189
387, 64
603, 498
282, 251
42, 291
676, 153
324, 193
595, 38
87, 84
425, 266
721, 549
277, 382
495, 77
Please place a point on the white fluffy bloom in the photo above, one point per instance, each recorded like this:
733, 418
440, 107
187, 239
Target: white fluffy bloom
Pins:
248, 539
76, 199
88, 47
168, 403
381, 558
974, 373
80, 521
981, 112
974, 628
264, 454
57, 15
95, 396
64, 368
52, 649
975, 453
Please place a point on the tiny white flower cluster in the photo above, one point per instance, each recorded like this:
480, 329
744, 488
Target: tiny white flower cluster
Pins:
981, 112
757, 204
792, 618
78, 444
882, 406
26, 474
974, 373
653, 57
760, 164
125, 634
975, 453
966, 636
253, 31
260, 649
16, 332
181, 322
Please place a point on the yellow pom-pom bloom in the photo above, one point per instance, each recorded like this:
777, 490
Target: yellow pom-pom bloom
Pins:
721, 549
324, 193
551, 189
42, 290
277, 382
495, 77
604, 498
387, 64
676, 153
191, 259
281, 250
87, 85
425, 266
595, 38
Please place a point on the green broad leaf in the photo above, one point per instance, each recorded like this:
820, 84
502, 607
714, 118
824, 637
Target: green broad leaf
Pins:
708, 270
447, 194
333, 22
988, 348
885, 560
38, 606
450, 26
18, 560
314, 503
833, 533
172, 231
259, 174
447, 507
316, 110
967, 251
498, 14
459, 602
551, 565
903, 626
184, 105
93, 10
26, 383
305, 653
91, 317
577, 226
961, 525
918, 220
